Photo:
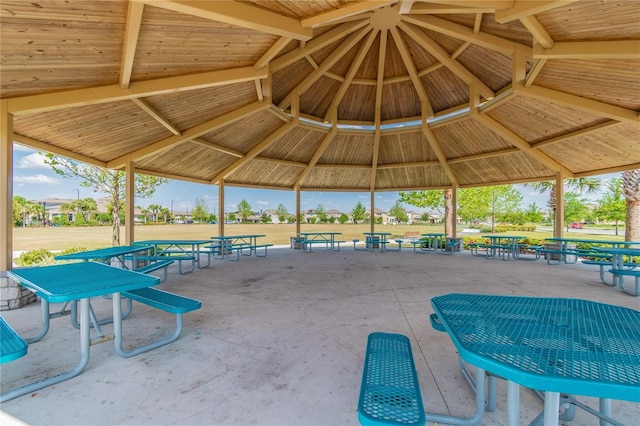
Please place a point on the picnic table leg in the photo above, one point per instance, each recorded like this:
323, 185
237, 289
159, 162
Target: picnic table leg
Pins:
84, 360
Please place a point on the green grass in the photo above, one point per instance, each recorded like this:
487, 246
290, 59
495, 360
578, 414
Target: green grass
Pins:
92, 237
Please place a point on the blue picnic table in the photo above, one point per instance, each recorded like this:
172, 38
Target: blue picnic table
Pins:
556, 346
181, 250
326, 238
224, 245
73, 282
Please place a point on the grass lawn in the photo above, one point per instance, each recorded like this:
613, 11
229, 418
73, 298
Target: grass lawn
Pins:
53, 239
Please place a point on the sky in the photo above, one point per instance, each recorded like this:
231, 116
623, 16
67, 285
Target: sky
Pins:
33, 179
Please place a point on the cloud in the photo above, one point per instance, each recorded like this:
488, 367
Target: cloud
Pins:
32, 161
36, 179
262, 203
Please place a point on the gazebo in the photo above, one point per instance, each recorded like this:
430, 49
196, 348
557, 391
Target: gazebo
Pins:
329, 95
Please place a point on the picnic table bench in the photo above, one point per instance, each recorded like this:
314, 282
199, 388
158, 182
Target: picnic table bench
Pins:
159, 299
12, 345
390, 392
628, 272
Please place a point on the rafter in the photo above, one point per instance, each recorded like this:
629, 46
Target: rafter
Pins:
581, 132
578, 102
43, 146
461, 32
484, 155
446, 9
521, 144
132, 29
255, 151
338, 53
522, 9
96, 95
344, 12
194, 132
240, 14
273, 51
539, 33
436, 50
435, 147
611, 49
155, 115
316, 44
320, 150
411, 69
353, 69
405, 165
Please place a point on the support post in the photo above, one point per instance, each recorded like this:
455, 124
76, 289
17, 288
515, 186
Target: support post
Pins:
130, 201
221, 215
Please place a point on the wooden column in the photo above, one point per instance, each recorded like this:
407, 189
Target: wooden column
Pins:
454, 212
558, 216
6, 189
373, 211
221, 215
129, 202
298, 210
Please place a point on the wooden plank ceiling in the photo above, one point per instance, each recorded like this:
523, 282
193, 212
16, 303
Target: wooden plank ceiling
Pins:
328, 94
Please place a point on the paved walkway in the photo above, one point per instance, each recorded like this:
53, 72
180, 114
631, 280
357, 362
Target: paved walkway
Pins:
280, 341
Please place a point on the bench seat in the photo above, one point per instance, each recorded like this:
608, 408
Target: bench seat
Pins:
390, 392
602, 264
154, 266
566, 254
12, 346
165, 301
631, 273
180, 259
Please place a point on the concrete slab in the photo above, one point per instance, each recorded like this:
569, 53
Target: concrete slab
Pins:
280, 341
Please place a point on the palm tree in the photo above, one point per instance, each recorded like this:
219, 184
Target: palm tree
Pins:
631, 190
587, 185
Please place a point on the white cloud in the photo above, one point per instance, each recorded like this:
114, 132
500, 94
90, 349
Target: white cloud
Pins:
36, 179
32, 161
262, 203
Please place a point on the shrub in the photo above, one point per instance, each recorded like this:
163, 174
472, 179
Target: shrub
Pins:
36, 257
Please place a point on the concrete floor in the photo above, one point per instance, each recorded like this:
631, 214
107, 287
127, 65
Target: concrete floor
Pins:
280, 341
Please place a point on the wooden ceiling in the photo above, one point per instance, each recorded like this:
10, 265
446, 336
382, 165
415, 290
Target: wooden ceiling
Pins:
329, 94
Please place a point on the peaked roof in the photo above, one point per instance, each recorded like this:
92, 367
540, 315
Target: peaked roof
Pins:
328, 94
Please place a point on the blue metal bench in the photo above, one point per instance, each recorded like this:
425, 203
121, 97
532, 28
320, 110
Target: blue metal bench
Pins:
154, 266
12, 346
180, 259
390, 392
628, 272
168, 302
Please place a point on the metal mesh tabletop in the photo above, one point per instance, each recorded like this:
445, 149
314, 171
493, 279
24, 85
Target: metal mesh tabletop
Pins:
103, 253
73, 281
564, 345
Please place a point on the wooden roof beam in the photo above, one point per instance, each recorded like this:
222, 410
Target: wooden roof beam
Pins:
334, 57
577, 102
43, 146
316, 44
344, 12
447, 9
239, 14
411, 69
190, 134
255, 151
461, 32
521, 144
96, 95
321, 149
526, 8
131, 32
435, 146
351, 73
612, 49
155, 115
440, 54
217, 147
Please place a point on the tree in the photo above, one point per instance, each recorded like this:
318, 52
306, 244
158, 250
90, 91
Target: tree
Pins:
503, 200
473, 204
111, 182
244, 210
359, 213
612, 206
343, 218
631, 190
574, 208
154, 209
321, 214
282, 213
23, 209
581, 185
201, 211
399, 213
434, 199
266, 218
533, 213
